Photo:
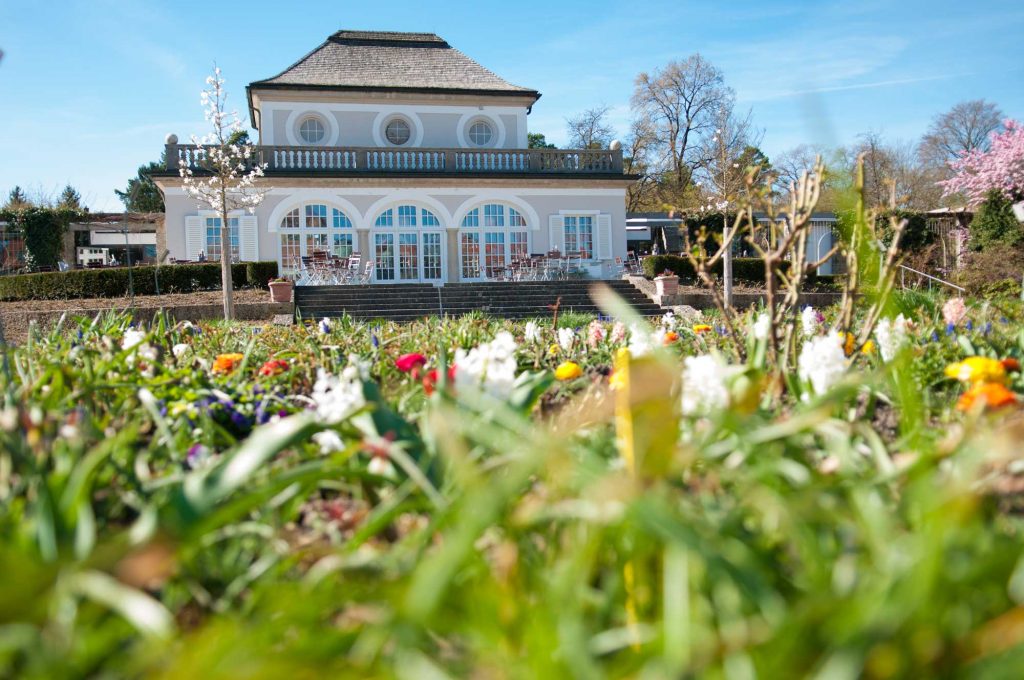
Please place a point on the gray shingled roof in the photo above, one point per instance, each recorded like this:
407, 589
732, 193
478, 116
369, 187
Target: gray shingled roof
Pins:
387, 60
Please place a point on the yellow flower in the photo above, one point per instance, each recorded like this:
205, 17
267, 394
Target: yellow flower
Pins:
553, 350
568, 370
701, 328
868, 348
225, 363
617, 380
978, 370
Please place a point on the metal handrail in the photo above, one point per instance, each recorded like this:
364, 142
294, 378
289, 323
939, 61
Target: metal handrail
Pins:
903, 280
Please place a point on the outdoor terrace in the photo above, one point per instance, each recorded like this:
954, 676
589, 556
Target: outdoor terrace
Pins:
325, 160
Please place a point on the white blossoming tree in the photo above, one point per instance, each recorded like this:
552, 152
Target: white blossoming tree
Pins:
223, 174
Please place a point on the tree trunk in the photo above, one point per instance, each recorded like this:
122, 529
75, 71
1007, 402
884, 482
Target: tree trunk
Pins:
225, 264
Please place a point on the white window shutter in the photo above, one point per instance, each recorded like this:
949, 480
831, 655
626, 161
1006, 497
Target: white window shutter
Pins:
604, 237
248, 239
194, 241
556, 233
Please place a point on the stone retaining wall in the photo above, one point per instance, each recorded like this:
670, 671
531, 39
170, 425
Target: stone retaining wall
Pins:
246, 311
699, 300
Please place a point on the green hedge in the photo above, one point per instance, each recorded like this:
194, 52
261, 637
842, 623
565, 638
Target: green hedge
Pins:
147, 280
749, 269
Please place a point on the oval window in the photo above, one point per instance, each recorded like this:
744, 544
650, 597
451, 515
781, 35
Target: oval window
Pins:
480, 133
397, 132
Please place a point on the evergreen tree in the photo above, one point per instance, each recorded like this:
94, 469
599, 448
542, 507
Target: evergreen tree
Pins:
141, 194
17, 199
994, 225
70, 199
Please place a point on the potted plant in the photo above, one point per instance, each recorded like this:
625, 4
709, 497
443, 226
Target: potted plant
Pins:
280, 289
667, 284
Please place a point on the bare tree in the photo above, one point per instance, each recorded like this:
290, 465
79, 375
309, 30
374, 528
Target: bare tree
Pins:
963, 128
637, 161
680, 103
228, 175
729, 156
590, 129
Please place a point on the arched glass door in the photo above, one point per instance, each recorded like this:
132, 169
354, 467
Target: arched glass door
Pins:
408, 246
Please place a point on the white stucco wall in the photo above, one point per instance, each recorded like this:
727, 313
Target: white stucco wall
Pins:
362, 125
363, 204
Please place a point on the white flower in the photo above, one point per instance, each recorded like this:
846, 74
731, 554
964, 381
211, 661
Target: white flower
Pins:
566, 338
761, 327
179, 350
337, 396
132, 337
324, 325
490, 366
809, 321
381, 466
822, 361
891, 334
668, 320
532, 332
641, 342
704, 384
329, 441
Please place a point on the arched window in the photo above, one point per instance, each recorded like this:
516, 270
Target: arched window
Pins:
408, 216
491, 237
314, 227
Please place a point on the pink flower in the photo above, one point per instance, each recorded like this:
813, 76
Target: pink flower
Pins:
1000, 168
618, 335
595, 333
954, 311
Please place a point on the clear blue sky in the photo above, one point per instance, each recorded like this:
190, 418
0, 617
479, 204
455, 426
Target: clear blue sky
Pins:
89, 89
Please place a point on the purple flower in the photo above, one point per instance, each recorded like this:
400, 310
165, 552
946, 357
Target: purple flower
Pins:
935, 336
988, 328
197, 453
950, 328
970, 325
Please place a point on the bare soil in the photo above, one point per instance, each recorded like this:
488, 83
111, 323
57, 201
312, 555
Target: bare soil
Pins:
15, 321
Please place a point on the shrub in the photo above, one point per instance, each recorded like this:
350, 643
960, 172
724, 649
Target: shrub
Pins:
993, 272
147, 280
748, 269
916, 234
43, 230
994, 224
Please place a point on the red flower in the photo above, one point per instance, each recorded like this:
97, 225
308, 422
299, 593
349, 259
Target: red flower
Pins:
1011, 365
410, 362
273, 367
430, 379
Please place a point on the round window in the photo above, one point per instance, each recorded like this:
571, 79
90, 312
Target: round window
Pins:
312, 131
397, 132
480, 133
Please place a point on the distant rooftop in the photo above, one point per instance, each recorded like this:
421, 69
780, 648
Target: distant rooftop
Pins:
382, 60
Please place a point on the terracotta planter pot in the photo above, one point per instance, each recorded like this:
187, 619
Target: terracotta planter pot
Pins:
281, 291
667, 286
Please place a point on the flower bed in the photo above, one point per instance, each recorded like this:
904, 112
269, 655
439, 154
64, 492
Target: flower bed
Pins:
493, 497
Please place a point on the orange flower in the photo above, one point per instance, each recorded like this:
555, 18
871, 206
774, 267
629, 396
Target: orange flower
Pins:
670, 337
993, 395
225, 363
849, 344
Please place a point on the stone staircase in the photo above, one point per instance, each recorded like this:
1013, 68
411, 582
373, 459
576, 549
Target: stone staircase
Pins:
510, 300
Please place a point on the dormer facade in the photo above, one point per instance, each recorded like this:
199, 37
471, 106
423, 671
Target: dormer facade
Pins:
389, 90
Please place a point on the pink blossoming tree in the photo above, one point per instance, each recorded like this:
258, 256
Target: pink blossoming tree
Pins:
1001, 168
